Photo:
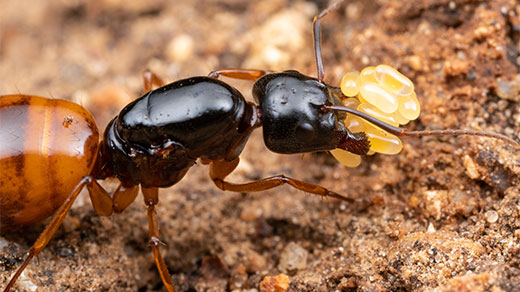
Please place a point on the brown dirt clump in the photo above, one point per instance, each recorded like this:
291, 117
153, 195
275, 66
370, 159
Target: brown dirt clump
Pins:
450, 220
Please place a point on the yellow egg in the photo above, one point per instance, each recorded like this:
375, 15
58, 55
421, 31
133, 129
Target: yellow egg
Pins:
351, 102
381, 141
354, 124
378, 114
367, 75
402, 120
350, 84
409, 106
393, 80
376, 95
346, 158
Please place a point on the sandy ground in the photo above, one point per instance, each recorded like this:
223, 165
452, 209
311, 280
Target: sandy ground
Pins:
450, 220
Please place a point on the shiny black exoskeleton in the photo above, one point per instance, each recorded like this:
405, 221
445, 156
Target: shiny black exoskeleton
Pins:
158, 137
292, 114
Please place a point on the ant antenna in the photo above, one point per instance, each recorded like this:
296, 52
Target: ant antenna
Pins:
401, 132
316, 35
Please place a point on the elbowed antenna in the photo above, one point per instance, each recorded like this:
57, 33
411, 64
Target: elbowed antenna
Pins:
401, 132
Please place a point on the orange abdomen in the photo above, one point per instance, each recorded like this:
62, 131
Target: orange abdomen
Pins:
46, 147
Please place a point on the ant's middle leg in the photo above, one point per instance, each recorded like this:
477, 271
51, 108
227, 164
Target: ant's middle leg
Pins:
237, 73
151, 198
220, 169
104, 204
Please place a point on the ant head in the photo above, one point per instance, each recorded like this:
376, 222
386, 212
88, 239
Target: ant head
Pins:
292, 117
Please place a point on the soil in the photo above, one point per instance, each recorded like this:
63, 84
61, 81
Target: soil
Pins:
450, 213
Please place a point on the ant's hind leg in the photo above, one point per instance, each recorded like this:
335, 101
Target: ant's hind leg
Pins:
49, 231
151, 198
237, 73
220, 169
150, 79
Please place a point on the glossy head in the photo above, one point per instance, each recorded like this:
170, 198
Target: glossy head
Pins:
292, 117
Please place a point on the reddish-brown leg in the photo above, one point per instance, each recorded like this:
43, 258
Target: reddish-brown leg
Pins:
151, 198
101, 200
123, 197
150, 79
220, 169
49, 231
238, 73
102, 203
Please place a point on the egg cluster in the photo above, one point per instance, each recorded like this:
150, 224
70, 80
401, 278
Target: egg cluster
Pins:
384, 93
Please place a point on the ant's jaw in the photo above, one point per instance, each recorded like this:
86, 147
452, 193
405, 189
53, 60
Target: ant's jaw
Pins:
356, 143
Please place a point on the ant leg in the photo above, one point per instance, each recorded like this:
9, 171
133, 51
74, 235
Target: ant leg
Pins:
101, 200
219, 169
316, 35
49, 231
237, 73
150, 79
123, 197
151, 198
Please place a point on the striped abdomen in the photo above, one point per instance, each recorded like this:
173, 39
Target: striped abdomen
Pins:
46, 147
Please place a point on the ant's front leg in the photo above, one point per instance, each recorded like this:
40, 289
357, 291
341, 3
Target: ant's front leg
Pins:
220, 169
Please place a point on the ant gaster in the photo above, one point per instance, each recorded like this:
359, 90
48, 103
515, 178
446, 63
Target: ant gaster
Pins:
156, 138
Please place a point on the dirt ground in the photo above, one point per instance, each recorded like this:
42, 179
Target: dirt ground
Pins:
450, 217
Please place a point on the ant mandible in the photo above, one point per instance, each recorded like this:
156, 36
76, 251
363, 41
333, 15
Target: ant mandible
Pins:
156, 138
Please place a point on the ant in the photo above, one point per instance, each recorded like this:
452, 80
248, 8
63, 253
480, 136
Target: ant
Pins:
156, 138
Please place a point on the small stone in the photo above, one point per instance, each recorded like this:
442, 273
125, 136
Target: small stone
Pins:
416, 63
491, 216
456, 67
431, 228
509, 89
26, 283
279, 283
471, 168
435, 201
255, 262
293, 257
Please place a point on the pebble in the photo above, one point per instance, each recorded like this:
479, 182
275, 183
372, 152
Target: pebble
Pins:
471, 168
293, 257
255, 262
491, 216
279, 283
509, 89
